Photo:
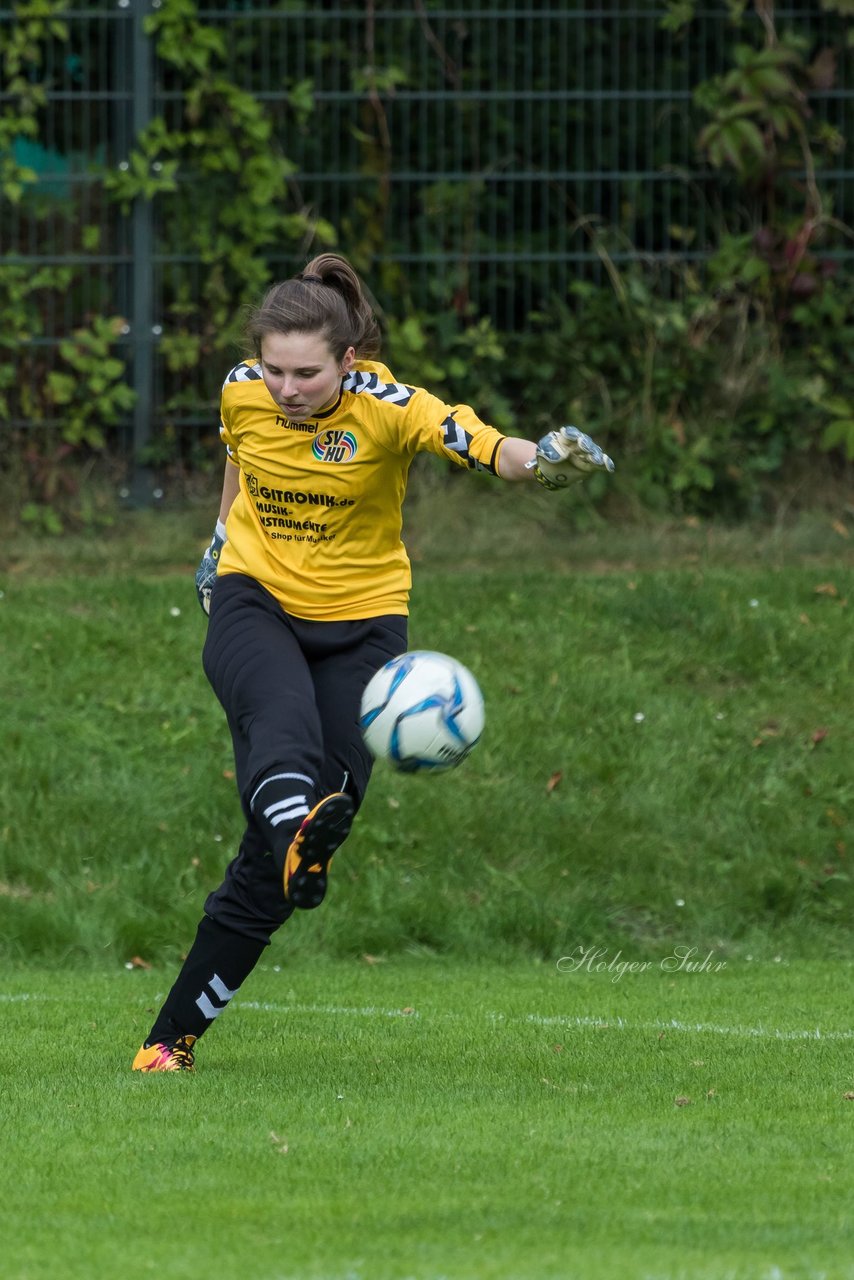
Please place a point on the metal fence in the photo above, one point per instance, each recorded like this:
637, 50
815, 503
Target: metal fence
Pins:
499, 138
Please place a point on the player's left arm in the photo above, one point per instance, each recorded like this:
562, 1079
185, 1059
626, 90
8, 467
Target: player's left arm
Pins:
515, 457
559, 459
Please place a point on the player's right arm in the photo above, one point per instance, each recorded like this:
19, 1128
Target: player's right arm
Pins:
207, 570
230, 489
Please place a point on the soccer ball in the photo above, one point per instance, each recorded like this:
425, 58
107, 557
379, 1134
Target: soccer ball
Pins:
423, 710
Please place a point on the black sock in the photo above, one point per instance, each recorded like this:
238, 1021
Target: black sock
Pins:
279, 805
218, 963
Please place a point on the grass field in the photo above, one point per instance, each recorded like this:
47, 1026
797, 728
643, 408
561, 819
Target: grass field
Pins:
488, 1056
668, 753
427, 1118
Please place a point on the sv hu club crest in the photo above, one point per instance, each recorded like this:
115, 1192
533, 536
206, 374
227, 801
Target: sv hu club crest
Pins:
334, 446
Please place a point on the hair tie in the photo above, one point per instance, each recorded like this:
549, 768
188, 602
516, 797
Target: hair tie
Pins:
309, 279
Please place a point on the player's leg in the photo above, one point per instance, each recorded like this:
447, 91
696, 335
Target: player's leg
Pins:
342, 661
239, 921
215, 968
342, 657
255, 665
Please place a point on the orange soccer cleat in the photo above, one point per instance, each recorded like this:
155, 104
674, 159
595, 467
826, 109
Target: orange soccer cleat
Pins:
311, 850
175, 1056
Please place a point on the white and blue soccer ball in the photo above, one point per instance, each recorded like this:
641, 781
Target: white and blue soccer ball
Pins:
422, 711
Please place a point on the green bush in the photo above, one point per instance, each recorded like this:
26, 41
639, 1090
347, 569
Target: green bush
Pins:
707, 384
704, 395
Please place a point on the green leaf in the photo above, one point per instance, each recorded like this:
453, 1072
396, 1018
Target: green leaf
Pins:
679, 14
782, 117
301, 98
41, 517
61, 387
840, 432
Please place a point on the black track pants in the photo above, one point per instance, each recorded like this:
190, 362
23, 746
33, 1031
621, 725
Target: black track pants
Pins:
291, 691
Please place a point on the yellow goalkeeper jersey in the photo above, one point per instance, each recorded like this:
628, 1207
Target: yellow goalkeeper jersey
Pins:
317, 520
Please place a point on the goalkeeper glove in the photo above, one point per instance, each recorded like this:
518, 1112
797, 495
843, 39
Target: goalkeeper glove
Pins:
565, 456
206, 572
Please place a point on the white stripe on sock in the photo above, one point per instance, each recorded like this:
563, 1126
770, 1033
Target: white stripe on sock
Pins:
208, 1008
285, 804
220, 990
274, 777
299, 812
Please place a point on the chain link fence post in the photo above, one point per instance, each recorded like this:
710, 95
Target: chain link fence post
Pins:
142, 489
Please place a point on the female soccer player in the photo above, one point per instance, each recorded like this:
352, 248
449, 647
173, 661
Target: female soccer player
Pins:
306, 582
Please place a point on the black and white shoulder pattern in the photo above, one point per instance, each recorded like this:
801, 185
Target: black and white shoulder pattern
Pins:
392, 392
457, 440
246, 371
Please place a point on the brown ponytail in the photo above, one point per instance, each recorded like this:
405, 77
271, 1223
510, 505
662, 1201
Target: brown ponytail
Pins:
326, 297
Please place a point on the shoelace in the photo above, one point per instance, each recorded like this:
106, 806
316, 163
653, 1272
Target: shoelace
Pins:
182, 1050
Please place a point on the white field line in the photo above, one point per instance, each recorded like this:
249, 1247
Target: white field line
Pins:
559, 1020
569, 1021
